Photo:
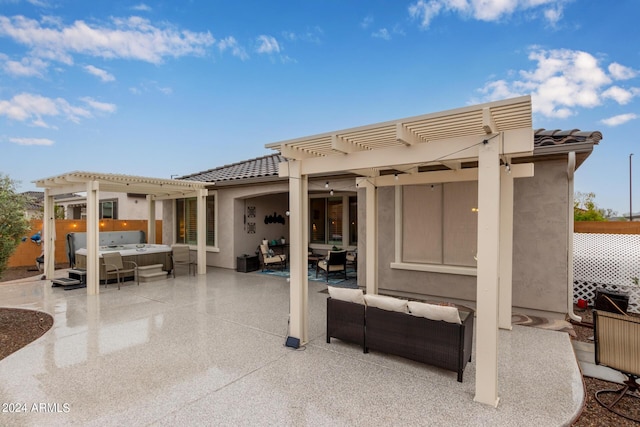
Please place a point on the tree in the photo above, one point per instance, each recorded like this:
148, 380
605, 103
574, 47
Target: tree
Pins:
585, 208
13, 222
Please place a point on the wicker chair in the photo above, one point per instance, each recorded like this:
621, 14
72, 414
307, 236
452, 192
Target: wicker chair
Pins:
181, 255
336, 262
617, 342
113, 264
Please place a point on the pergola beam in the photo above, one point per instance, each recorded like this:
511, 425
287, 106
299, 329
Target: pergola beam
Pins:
516, 143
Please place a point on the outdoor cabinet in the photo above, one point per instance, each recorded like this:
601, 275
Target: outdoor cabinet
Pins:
247, 263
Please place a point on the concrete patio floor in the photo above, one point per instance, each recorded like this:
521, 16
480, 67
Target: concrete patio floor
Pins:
208, 350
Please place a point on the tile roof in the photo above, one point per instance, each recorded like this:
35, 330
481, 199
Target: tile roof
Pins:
260, 167
543, 137
267, 166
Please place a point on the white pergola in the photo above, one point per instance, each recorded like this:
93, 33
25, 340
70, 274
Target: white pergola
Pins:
92, 183
489, 135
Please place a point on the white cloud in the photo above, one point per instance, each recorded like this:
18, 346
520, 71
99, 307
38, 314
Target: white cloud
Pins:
230, 43
27, 67
310, 35
366, 22
267, 44
425, 11
142, 7
100, 73
382, 33
620, 95
34, 108
129, 38
31, 141
620, 72
620, 119
563, 81
99, 106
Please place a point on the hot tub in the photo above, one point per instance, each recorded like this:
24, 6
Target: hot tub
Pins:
141, 254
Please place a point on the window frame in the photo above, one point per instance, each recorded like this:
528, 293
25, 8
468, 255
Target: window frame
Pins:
400, 264
212, 197
347, 228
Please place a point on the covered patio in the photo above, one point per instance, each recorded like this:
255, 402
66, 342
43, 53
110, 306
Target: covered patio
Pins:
477, 143
209, 350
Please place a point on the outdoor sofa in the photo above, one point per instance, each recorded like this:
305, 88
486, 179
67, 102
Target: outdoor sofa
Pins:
399, 327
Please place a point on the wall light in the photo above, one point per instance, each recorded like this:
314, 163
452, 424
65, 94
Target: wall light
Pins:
326, 184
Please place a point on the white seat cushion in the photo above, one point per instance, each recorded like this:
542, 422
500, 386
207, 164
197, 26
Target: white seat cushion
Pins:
386, 303
346, 294
435, 312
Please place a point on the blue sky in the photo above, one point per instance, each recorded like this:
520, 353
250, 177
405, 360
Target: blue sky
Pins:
160, 88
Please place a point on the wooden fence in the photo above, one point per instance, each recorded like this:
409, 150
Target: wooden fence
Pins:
607, 227
27, 251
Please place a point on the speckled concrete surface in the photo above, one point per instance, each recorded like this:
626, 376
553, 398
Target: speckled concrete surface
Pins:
208, 350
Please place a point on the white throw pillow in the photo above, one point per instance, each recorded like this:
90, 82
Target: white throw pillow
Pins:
386, 303
346, 294
435, 312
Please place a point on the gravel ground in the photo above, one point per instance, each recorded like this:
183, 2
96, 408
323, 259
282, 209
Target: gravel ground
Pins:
20, 327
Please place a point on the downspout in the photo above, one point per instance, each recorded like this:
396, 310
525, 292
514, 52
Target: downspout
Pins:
571, 168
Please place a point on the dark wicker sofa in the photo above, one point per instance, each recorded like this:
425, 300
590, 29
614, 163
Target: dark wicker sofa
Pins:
434, 342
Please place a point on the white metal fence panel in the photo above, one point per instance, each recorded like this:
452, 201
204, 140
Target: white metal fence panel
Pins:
606, 260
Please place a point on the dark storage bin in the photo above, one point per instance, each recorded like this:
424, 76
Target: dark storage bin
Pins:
608, 300
246, 264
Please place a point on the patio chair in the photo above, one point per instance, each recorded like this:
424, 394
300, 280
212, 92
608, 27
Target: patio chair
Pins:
617, 340
269, 258
335, 262
114, 265
181, 255
352, 259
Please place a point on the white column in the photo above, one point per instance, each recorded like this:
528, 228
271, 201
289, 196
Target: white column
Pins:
488, 270
202, 230
151, 224
93, 266
506, 248
298, 251
49, 235
371, 277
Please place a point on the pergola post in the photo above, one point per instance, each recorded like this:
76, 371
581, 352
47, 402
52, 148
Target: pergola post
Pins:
371, 226
506, 248
299, 235
49, 235
151, 224
201, 195
93, 268
488, 273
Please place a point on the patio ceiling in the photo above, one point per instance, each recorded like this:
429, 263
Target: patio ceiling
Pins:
161, 188
477, 120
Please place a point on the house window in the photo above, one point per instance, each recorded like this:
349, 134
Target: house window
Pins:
333, 220
108, 209
187, 221
440, 224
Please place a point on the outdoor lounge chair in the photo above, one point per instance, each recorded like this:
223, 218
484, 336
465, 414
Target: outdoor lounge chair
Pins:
336, 262
269, 258
113, 264
617, 341
181, 255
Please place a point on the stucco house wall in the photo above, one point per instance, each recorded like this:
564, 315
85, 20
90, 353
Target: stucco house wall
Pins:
540, 247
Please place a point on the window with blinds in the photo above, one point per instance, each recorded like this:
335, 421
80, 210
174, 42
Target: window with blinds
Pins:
187, 221
440, 223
